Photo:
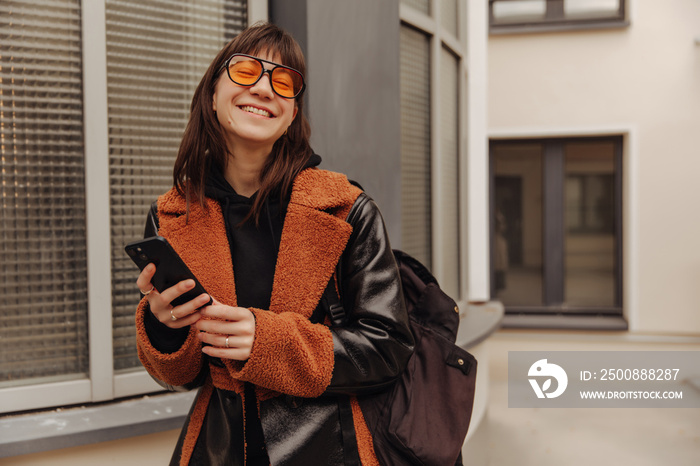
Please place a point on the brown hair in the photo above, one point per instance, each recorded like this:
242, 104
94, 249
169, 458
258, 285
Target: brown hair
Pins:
203, 144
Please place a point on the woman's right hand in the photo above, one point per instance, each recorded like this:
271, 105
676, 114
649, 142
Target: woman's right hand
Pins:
159, 303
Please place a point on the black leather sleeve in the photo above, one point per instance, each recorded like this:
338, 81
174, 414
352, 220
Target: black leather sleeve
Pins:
374, 343
151, 221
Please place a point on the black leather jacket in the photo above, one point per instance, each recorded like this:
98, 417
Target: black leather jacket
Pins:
370, 350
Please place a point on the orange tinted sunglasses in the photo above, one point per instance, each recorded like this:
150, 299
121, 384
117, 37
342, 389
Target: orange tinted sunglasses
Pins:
246, 70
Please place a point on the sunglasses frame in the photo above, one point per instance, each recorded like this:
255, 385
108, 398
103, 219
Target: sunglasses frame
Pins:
264, 70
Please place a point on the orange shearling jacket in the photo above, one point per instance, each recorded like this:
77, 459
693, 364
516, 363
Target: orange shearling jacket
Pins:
305, 374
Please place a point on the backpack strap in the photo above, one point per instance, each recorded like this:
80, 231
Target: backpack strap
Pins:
330, 301
336, 311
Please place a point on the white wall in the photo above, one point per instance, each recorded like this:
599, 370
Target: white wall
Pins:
642, 81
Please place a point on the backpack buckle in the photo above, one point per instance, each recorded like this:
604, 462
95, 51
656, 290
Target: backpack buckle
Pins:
337, 313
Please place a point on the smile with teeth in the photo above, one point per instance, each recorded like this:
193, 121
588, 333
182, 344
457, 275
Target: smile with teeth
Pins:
257, 111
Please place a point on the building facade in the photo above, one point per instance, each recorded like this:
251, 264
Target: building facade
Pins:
538, 154
592, 118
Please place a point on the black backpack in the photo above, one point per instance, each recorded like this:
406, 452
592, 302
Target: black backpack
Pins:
423, 418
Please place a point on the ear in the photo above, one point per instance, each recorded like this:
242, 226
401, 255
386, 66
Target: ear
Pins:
296, 109
213, 102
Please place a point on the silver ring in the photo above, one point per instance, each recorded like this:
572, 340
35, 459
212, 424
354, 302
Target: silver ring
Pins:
227, 342
172, 316
145, 293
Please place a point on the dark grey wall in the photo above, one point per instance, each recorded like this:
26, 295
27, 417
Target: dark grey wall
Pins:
352, 53
291, 15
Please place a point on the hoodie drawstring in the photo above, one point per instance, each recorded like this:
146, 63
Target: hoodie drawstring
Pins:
275, 245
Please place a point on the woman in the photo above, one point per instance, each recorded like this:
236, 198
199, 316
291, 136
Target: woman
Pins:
265, 232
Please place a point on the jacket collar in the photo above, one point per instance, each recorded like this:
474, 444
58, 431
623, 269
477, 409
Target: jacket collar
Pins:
314, 236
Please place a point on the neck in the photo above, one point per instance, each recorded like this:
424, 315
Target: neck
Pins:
244, 167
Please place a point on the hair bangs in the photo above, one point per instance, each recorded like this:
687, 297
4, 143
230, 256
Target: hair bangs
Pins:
270, 40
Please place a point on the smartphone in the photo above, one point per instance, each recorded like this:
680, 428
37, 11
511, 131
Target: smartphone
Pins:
170, 268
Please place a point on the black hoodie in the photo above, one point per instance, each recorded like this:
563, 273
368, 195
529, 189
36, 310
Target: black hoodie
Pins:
253, 247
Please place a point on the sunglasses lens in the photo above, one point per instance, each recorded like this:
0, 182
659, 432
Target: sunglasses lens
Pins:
286, 82
244, 71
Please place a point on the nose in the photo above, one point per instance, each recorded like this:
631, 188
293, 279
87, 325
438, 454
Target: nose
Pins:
264, 86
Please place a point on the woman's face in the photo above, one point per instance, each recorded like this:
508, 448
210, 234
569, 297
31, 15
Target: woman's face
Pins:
252, 117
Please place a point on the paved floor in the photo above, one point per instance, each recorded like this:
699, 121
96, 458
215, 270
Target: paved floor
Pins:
584, 437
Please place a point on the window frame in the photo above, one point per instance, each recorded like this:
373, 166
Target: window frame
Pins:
459, 46
555, 20
554, 313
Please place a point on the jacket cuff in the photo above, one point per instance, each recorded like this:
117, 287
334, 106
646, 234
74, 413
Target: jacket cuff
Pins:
163, 338
178, 368
290, 355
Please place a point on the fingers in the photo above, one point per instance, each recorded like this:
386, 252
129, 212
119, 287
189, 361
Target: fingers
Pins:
227, 320
187, 308
178, 316
218, 328
238, 354
239, 347
178, 289
159, 303
228, 313
221, 341
144, 279
190, 319
230, 331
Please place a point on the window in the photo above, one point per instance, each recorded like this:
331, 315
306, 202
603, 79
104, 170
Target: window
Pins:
522, 15
431, 60
56, 347
415, 144
43, 265
556, 226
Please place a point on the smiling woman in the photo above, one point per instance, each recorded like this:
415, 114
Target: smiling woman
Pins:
264, 232
241, 138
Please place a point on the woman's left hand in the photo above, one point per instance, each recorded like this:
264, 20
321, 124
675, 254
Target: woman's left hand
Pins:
231, 335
